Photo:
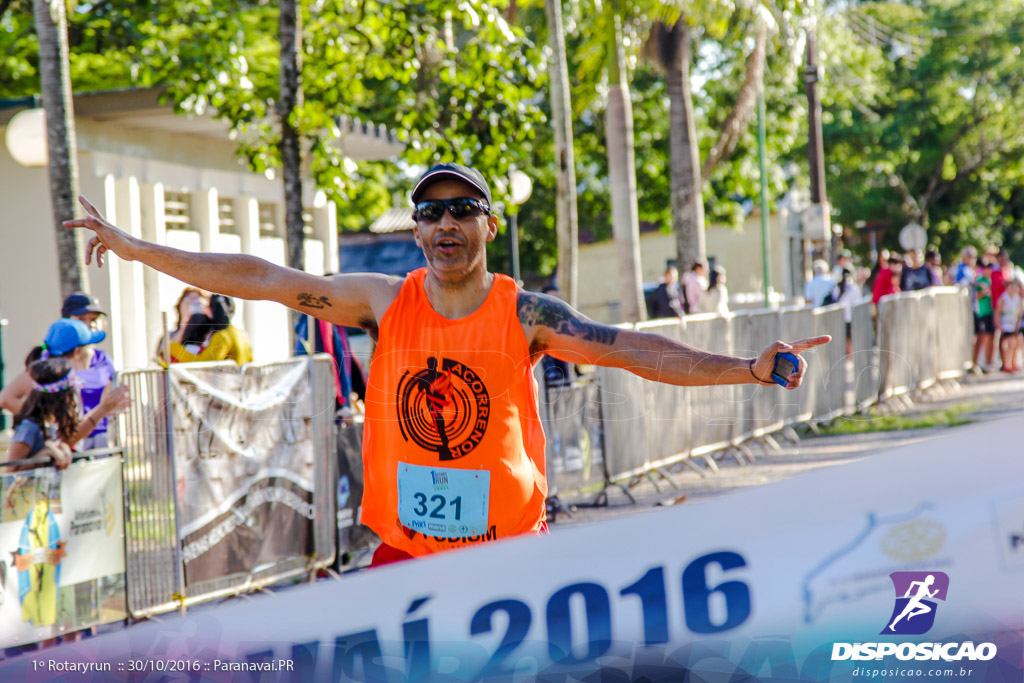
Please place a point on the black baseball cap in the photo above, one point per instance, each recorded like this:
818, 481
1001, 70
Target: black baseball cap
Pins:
80, 303
464, 174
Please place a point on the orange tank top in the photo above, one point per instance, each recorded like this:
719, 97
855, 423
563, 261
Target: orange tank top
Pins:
453, 449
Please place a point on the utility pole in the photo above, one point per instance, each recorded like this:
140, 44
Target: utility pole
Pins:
815, 147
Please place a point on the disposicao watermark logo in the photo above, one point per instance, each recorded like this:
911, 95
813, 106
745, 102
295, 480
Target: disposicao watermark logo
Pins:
914, 614
916, 593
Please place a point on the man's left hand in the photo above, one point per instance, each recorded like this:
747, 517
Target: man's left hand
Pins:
765, 363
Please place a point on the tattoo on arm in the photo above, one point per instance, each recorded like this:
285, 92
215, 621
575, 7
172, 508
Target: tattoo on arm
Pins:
538, 310
307, 300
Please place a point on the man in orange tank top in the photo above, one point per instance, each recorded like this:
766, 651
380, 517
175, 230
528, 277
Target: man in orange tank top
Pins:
453, 448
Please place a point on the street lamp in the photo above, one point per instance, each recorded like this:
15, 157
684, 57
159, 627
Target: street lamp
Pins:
519, 189
26, 138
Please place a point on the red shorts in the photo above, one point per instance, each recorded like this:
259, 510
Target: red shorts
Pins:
385, 554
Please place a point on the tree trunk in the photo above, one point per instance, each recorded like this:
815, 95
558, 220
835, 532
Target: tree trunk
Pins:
743, 111
622, 174
55, 78
566, 217
291, 153
687, 202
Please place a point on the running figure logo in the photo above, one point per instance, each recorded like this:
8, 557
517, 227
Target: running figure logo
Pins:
444, 408
916, 592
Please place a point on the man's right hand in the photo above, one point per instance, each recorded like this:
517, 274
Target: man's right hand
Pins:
107, 237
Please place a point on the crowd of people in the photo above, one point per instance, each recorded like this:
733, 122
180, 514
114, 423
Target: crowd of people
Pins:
995, 284
692, 294
64, 399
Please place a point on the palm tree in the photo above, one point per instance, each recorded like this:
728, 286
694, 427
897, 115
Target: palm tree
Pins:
622, 172
291, 153
54, 72
566, 218
671, 48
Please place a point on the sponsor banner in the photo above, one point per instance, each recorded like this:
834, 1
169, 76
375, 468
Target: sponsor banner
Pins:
61, 550
243, 449
794, 581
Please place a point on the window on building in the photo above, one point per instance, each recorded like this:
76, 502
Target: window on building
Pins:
178, 210
268, 220
226, 215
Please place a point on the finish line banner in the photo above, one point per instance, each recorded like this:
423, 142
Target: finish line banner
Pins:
61, 551
903, 566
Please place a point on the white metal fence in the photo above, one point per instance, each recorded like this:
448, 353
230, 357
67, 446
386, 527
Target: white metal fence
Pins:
922, 337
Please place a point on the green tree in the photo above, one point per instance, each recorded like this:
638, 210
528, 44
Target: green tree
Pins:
938, 133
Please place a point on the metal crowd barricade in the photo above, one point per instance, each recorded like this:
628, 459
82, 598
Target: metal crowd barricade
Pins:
155, 577
622, 411
925, 343
827, 363
952, 313
712, 410
865, 356
320, 389
922, 337
892, 375
666, 418
799, 323
759, 408
571, 414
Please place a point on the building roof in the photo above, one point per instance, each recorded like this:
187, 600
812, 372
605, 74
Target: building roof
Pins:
394, 254
144, 109
393, 220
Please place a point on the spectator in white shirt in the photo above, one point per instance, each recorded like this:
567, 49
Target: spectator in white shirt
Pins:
819, 288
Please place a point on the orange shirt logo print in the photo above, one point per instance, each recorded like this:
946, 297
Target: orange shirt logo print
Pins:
443, 409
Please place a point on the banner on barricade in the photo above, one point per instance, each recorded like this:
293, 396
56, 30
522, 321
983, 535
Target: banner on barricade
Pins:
61, 550
808, 579
353, 537
243, 449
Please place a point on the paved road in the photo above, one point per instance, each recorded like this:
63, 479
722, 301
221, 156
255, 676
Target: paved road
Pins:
994, 396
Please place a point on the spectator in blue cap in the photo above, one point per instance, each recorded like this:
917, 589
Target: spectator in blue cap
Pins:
73, 340
81, 306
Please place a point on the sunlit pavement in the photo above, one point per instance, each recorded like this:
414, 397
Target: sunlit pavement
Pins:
993, 396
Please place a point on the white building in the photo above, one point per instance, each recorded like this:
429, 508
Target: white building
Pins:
169, 179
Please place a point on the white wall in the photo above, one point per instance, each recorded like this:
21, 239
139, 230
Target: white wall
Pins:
125, 174
738, 251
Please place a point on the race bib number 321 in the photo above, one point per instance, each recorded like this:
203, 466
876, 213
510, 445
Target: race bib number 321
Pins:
443, 502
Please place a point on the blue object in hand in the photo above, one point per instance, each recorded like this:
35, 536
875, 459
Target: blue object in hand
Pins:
785, 365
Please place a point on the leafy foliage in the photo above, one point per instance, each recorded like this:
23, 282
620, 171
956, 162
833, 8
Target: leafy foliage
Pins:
935, 137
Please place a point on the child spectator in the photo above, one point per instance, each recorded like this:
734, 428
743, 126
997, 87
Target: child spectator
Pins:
48, 420
1009, 309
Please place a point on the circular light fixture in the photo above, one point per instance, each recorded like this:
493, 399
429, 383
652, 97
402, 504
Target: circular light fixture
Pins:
520, 187
26, 138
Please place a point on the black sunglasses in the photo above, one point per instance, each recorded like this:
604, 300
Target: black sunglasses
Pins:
459, 207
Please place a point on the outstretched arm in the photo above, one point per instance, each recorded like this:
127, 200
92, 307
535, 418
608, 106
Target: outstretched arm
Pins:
553, 327
355, 300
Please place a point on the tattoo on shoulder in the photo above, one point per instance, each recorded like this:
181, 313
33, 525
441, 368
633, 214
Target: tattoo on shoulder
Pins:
307, 300
539, 310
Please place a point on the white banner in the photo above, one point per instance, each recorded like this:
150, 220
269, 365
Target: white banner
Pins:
61, 549
899, 566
